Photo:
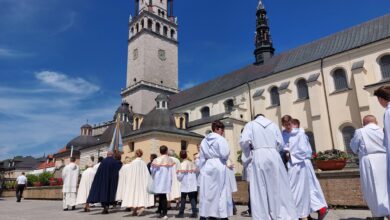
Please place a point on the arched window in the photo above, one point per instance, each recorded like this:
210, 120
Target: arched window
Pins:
384, 62
310, 135
303, 91
142, 24
229, 105
182, 123
187, 118
150, 24
137, 28
340, 79
165, 30
275, 101
348, 132
205, 111
173, 34
158, 27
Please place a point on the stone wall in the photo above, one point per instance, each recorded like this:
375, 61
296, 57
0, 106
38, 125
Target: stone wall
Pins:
341, 188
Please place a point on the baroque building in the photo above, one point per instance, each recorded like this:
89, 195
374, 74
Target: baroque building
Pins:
327, 84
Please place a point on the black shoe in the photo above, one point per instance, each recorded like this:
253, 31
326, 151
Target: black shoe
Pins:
180, 215
128, 209
194, 215
73, 207
105, 211
17, 200
66, 209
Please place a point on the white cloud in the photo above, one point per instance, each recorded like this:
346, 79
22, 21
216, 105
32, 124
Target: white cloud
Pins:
8, 53
34, 121
188, 85
63, 82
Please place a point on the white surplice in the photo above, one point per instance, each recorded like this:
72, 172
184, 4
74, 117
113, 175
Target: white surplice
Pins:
161, 169
368, 144
232, 176
187, 177
296, 144
175, 191
70, 176
85, 185
132, 185
271, 196
386, 142
215, 191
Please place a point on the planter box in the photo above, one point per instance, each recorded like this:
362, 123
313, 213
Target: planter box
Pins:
326, 165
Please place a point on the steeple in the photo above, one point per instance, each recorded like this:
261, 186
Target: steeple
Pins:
263, 41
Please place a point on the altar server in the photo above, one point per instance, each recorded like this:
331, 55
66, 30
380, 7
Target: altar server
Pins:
368, 144
215, 189
175, 194
296, 146
162, 168
317, 199
271, 196
85, 186
70, 176
133, 184
189, 187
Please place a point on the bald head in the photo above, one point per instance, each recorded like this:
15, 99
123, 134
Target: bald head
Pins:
369, 119
110, 154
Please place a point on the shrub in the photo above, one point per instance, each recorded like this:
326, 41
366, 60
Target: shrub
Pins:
31, 178
331, 155
44, 178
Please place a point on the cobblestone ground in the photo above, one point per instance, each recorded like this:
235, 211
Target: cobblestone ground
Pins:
52, 210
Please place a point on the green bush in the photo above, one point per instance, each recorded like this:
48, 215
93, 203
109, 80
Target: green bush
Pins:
44, 178
31, 178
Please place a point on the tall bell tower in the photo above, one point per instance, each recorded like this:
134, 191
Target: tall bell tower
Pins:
152, 62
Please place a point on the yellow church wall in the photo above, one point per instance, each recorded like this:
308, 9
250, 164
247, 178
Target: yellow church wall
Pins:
150, 144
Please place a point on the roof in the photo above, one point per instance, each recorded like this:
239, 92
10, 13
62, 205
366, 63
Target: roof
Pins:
352, 38
161, 120
20, 163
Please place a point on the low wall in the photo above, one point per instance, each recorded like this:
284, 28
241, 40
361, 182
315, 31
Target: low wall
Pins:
341, 188
44, 193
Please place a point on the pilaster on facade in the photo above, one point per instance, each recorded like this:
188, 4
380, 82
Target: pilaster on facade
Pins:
358, 76
285, 96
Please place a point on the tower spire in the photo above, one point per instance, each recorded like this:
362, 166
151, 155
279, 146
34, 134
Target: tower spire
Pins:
263, 41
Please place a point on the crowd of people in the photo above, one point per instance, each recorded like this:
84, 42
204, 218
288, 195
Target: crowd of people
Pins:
277, 166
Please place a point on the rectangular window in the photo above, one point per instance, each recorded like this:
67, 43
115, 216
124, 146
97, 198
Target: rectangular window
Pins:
132, 146
183, 145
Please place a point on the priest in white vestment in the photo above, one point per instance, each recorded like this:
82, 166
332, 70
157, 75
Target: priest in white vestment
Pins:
215, 200
85, 186
271, 196
132, 186
161, 169
175, 194
70, 176
295, 145
368, 144
317, 199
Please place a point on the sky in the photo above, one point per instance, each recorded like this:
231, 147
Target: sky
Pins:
63, 63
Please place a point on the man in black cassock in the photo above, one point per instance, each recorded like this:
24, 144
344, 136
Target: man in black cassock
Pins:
105, 183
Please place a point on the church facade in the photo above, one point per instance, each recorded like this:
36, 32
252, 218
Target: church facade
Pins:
327, 84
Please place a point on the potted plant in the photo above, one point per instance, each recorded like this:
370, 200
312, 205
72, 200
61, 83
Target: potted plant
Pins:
44, 178
331, 160
32, 180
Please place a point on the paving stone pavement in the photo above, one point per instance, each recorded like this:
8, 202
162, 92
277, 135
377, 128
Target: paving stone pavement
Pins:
52, 210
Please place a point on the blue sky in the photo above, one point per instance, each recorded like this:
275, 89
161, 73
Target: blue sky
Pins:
64, 62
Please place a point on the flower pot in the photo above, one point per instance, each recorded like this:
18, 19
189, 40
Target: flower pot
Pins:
37, 184
325, 165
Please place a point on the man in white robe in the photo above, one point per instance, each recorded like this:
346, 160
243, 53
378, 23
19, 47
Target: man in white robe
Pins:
215, 200
70, 176
175, 194
85, 186
295, 145
269, 185
133, 184
368, 144
162, 168
317, 199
